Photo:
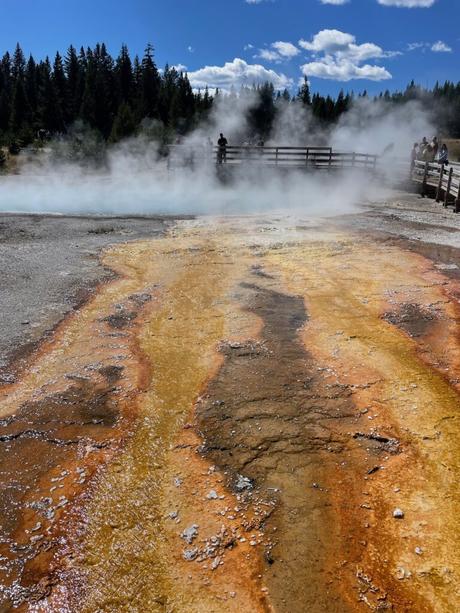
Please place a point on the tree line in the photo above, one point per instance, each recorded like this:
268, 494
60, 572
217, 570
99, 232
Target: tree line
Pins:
116, 97
111, 96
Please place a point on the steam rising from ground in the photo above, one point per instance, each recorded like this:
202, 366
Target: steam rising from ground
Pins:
135, 179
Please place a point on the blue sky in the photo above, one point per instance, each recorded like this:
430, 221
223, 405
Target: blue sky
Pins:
351, 44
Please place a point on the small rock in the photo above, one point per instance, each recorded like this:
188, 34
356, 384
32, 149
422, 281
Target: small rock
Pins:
418, 551
232, 594
402, 573
215, 563
190, 533
243, 483
190, 554
398, 514
212, 495
177, 481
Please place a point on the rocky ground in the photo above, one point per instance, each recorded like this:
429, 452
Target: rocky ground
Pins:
49, 266
244, 414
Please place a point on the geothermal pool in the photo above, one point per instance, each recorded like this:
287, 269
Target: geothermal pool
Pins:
250, 414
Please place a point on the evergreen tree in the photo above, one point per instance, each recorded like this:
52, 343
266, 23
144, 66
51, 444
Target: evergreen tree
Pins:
20, 112
149, 85
31, 87
74, 73
262, 114
124, 76
124, 124
19, 63
60, 87
304, 93
49, 109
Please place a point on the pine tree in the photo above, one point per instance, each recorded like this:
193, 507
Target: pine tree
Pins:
304, 93
262, 114
20, 111
74, 73
49, 108
60, 88
124, 76
6, 86
88, 103
149, 85
124, 124
19, 63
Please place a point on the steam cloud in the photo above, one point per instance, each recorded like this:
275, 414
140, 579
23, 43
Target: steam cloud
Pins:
135, 180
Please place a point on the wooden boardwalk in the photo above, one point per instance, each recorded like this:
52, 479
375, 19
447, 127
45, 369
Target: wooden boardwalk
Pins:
300, 158
444, 179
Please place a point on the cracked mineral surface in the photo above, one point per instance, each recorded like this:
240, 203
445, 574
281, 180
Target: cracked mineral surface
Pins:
251, 414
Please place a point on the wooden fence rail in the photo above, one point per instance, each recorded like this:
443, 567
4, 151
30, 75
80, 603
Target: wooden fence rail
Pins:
443, 178
320, 158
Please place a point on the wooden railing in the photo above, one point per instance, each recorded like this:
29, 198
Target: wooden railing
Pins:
444, 179
320, 158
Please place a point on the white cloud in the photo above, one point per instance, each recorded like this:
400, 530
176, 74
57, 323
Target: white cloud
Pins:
415, 46
437, 47
278, 52
335, 2
410, 4
337, 56
248, 47
235, 74
269, 55
441, 47
344, 70
328, 41
285, 49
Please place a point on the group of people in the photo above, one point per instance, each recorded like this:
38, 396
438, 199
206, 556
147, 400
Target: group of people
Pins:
429, 152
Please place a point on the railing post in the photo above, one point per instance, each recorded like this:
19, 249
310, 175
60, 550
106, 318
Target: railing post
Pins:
449, 182
441, 176
425, 177
457, 199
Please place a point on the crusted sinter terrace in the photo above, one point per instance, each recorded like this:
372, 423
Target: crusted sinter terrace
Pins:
232, 414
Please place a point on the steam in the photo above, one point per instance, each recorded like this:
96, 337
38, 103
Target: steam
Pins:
135, 180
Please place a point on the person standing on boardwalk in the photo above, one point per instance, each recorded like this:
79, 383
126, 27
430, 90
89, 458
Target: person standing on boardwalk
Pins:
222, 151
443, 155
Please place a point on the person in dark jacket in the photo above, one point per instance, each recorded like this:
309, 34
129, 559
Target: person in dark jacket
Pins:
222, 151
443, 154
